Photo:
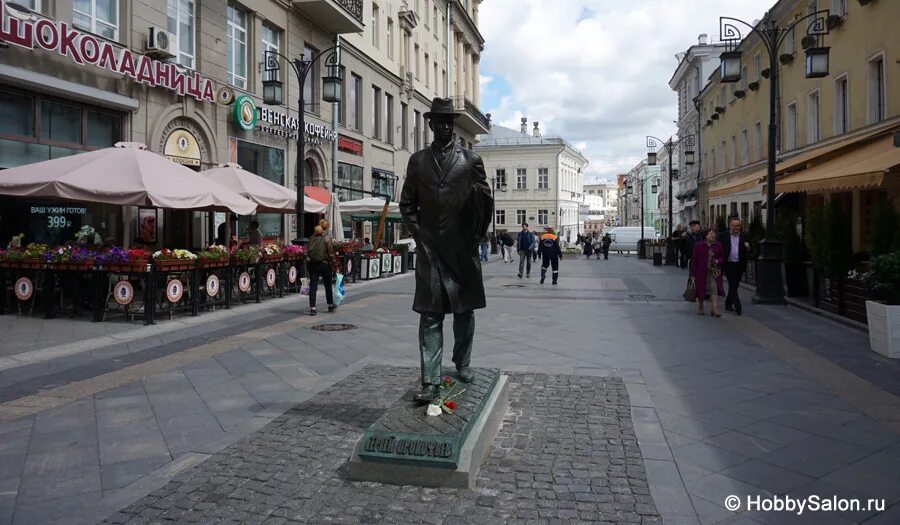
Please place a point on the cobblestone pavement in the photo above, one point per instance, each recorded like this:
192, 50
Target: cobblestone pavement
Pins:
566, 452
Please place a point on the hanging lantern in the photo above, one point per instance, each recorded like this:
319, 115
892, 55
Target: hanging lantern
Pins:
273, 92
333, 84
651, 158
730, 66
817, 62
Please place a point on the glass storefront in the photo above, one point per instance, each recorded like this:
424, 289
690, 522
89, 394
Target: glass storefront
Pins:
350, 176
268, 163
384, 182
35, 128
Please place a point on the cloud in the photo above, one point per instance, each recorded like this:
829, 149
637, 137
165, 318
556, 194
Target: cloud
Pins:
594, 72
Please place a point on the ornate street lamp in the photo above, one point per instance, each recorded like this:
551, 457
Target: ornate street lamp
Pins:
669, 145
273, 94
769, 283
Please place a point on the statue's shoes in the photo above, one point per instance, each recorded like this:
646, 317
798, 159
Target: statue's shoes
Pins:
465, 374
428, 394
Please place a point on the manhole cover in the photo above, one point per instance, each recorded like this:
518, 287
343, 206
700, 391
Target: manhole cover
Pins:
333, 327
514, 286
640, 297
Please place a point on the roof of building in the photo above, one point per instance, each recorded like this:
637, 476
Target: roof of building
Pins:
503, 136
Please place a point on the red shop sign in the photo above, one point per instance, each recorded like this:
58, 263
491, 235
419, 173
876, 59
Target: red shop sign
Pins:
350, 145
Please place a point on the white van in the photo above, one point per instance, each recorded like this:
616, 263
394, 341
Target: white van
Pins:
625, 238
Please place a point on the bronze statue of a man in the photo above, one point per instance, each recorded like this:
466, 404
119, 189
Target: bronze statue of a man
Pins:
446, 204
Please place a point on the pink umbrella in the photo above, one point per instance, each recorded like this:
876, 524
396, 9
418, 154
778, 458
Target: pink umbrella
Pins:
268, 196
126, 174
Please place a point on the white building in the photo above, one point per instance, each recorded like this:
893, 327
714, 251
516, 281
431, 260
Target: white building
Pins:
646, 178
601, 200
694, 66
543, 178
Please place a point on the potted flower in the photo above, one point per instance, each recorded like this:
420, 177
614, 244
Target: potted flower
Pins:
293, 252
271, 253
120, 260
31, 257
246, 255
70, 258
883, 310
215, 255
167, 260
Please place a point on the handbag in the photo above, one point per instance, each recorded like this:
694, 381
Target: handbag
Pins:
690, 292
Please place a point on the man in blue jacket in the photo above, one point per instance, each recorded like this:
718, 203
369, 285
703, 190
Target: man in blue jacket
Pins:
524, 244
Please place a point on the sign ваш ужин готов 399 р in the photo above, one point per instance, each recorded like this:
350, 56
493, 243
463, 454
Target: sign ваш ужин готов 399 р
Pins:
83, 48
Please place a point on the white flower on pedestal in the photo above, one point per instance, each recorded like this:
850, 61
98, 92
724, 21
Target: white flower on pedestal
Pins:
433, 410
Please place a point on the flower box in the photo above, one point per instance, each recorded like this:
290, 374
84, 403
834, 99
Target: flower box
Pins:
370, 268
23, 264
175, 265
212, 263
72, 265
293, 256
270, 258
126, 267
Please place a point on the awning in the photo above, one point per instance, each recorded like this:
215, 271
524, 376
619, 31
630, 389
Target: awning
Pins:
741, 184
317, 193
860, 168
824, 153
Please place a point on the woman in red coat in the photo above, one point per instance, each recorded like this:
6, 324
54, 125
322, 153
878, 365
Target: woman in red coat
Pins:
706, 270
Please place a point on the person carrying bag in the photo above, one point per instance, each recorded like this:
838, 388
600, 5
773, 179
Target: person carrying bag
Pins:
321, 262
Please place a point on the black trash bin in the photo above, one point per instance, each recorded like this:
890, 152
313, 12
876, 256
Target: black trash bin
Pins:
642, 249
657, 259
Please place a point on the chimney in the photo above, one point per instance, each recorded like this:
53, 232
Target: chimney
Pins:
702, 39
537, 130
524, 127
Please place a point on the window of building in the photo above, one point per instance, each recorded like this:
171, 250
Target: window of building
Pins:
100, 17
444, 81
389, 118
436, 26
350, 176
437, 88
757, 141
745, 211
425, 13
375, 29
542, 217
790, 41
745, 147
723, 152
268, 163
756, 66
311, 87
383, 182
654, 188
60, 122
839, 7
499, 179
543, 179
342, 104
418, 62
841, 106
790, 127
269, 40
500, 217
389, 34
404, 126
354, 102
376, 112
521, 217
34, 5
237, 47
812, 118
417, 125
181, 15
757, 210
521, 178
404, 50
733, 152
876, 90
427, 71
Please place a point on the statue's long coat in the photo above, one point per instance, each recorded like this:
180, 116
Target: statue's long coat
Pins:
447, 209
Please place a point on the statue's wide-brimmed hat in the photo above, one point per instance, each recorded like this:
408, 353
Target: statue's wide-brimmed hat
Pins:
441, 107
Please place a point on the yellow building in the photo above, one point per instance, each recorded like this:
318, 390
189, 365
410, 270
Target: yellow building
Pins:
835, 132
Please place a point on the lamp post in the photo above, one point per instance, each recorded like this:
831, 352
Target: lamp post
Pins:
273, 94
654, 144
769, 284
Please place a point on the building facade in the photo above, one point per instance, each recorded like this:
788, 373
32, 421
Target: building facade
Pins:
543, 178
639, 190
185, 79
601, 201
828, 125
695, 65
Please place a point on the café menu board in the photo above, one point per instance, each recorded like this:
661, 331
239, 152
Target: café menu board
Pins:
59, 217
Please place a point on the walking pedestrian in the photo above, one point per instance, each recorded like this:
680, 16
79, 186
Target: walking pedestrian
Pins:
506, 244
551, 254
588, 247
321, 263
693, 237
484, 249
524, 242
607, 241
677, 244
706, 271
735, 245
534, 246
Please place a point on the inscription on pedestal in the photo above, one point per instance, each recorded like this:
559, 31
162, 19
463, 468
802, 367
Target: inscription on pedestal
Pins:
406, 435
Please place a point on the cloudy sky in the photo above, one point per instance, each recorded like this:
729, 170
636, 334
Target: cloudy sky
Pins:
594, 72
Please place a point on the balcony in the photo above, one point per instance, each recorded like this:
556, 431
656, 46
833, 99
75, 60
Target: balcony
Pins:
336, 16
471, 119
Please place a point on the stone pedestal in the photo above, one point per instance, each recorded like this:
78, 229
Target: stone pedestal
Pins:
407, 447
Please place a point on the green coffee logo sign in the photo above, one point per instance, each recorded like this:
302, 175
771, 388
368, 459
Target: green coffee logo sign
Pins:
244, 111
